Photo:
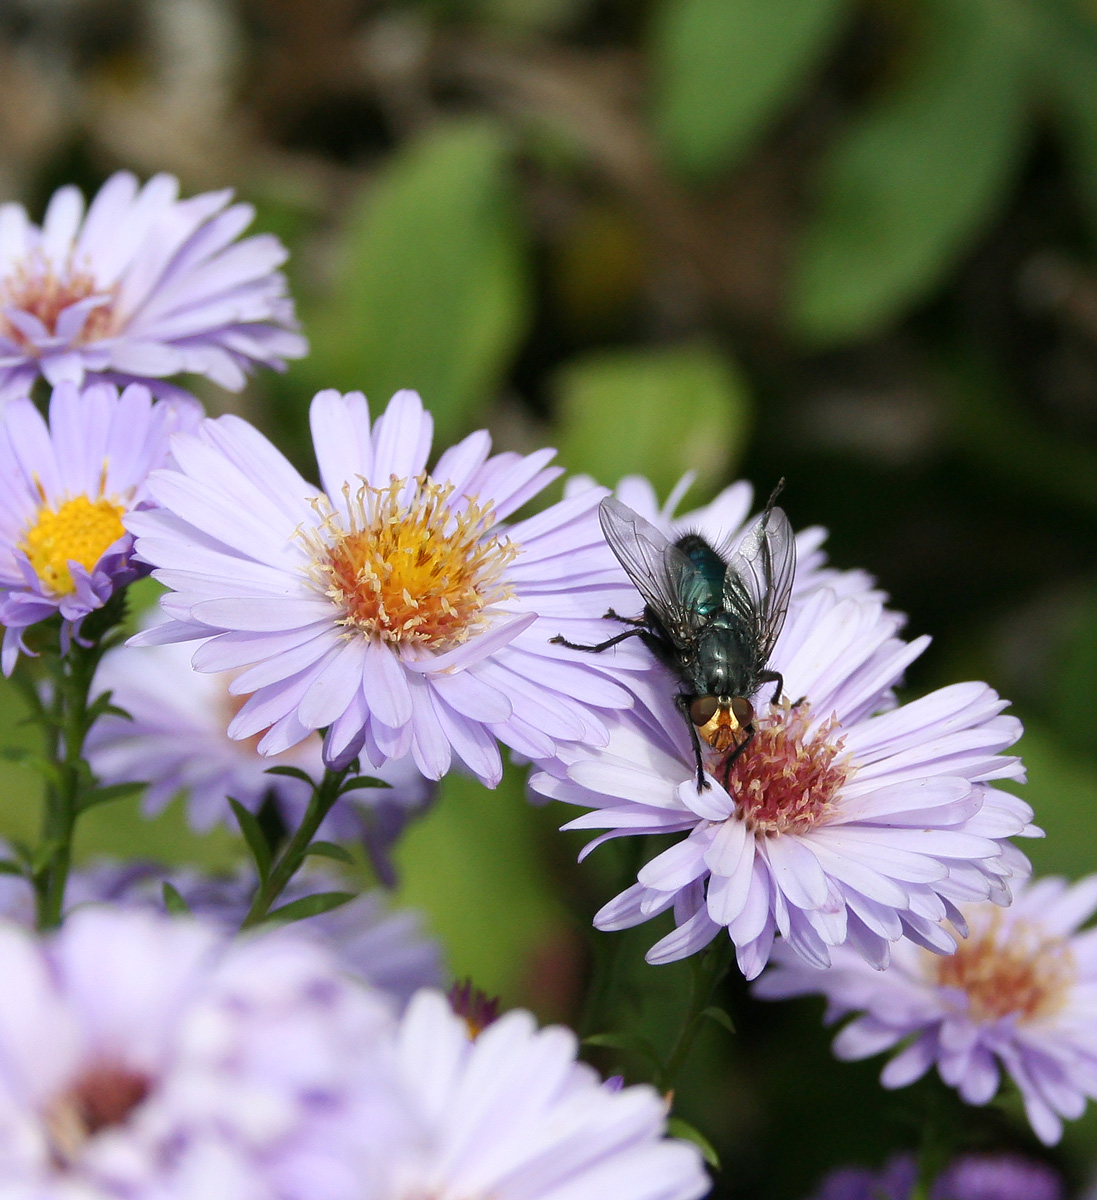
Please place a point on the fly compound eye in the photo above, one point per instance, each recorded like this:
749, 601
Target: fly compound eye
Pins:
703, 709
743, 711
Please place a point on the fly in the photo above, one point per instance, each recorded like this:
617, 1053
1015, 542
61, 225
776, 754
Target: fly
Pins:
712, 619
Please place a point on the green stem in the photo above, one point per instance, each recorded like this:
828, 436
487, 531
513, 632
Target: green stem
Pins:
708, 970
292, 855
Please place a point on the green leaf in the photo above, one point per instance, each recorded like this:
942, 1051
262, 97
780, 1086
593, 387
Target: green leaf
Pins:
724, 69
678, 1128
253, 835
310, 906
173, 902
329, 850
433, 291
631, 1042
292, 773
9, 866
916, 175
720, 1016
113, 791
102, 705
657, 413
362, 781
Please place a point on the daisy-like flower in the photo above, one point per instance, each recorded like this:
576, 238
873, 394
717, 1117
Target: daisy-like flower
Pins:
146, 1057
394, 609
844, 819
64, 490
512, 1115
1019, 994
143, 286
970, 1177
177, 742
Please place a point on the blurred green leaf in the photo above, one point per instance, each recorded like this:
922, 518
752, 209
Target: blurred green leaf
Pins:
632, 1043
254, 836
653, 412
329, 850
723, 68
310, 906
678, 1128
915, 176
476, 867
432, 289
173, 902
1062, 789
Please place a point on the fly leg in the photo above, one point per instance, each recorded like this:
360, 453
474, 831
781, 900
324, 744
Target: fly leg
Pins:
730, 760
771, 677
610, 615
560, 640
682, 702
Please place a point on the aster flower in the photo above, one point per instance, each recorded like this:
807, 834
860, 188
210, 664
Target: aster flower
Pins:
394, 609
146, 1057
970, 1177
177, 742
1019, 993
512, 1115
840, 823
64, 490
142, 287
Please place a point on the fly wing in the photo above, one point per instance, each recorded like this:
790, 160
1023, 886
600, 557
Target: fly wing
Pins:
758, 581
663, 575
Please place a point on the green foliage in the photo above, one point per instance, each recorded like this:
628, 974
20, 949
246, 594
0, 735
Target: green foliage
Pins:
913, 178
724, 68
431, 291
655, 412
475, 866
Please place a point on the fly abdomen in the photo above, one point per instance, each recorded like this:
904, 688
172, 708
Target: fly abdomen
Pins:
710, 568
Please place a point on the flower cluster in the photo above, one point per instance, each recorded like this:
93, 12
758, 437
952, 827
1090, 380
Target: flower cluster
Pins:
149, 1057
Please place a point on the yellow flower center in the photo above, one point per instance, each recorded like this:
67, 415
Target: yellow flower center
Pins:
80, 530
1010, 969
411, 569
34, 287
787, 777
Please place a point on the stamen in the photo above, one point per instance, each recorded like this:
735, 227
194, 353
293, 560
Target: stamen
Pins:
787, 777
1008, 968
411, 570
80, 530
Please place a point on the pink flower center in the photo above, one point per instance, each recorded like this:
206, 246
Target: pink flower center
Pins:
103, 1097
787, 778
413, 568
1007, 969
35, 288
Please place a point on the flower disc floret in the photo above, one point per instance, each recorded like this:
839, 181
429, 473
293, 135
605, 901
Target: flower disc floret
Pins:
395, 609
1017, 995
844, 819
141, 287
413, 569
65, 488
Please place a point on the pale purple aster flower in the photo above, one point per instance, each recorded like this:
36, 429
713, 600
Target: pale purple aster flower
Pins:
177, 742
970, 1177
395, 610
840, 822
141, 287
64, 489
511, 1114
1019, 994
143, 1057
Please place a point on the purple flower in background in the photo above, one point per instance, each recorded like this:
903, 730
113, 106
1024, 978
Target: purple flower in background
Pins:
395, 610
142, 287
971, 1177
142, 1056
64, 490
845, 819
1019, 994
513, 1114
177, 742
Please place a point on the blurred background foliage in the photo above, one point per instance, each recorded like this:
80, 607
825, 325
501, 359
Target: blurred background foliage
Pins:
848, 242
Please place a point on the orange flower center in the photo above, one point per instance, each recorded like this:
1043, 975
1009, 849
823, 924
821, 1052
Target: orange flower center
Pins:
34, 287
412, 569
1005, 969
787, 777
